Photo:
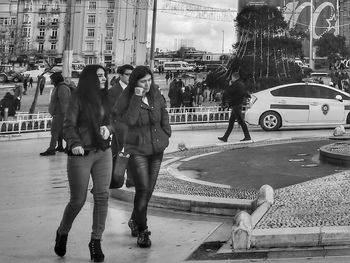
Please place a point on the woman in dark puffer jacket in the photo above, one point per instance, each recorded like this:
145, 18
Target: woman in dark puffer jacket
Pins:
87, 132
142, 107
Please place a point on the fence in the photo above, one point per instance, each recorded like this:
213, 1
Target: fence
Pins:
24, 122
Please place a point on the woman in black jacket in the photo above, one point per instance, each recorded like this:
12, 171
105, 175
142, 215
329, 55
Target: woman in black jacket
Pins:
142, 107
87, 132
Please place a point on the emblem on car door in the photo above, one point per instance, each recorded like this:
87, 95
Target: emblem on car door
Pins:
325, 109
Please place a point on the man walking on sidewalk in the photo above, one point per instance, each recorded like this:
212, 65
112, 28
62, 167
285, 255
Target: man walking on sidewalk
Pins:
235, 95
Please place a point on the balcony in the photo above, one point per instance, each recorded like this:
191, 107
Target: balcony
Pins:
41, 24
110, 10
53, 38
55, 10
26, 22
26, 9
107, 52
109, 24
40, 38
108, 38
54, 24
42, 10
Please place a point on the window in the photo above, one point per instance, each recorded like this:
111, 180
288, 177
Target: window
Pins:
26, 19
322, 92
54, 32
42, 21
26, 46
13, 21
109, 46
92, 5
26, 31
53, 46
109, 32
41, 47
42, 32
110, 19
90, 46
111, 5
55, 21
91, 32
11, 48
91, 19
291, 91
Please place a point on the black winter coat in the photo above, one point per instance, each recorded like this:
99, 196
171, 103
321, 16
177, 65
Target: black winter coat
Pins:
235, 94
148, 125
78, 130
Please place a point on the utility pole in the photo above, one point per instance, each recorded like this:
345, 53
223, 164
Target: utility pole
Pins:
311, 62
68, 43
153, 37
223, 41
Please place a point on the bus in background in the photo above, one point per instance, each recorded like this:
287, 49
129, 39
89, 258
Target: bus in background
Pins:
77, 68
174, 66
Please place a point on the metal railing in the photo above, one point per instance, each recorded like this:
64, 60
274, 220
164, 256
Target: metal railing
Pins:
41, 121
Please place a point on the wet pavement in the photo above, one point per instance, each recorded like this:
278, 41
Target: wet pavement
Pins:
33, 193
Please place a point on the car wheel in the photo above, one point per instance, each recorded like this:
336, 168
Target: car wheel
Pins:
15, 79
3, 78
270, 121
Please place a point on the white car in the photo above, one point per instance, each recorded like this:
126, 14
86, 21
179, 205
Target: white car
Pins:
298, 104
35, 73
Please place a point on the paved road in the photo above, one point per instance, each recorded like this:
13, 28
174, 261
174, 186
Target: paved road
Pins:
33, 192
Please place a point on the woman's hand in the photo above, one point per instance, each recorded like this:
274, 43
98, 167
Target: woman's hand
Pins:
78, 150
104, 132
140, 91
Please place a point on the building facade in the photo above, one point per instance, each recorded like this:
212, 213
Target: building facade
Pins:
107, 32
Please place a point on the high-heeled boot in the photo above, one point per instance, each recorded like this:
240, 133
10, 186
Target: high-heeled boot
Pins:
61, 244
143, 239
96, 253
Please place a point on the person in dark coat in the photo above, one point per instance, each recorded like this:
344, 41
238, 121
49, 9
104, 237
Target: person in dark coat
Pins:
118, 85
143, 109
87, 130
9, 102
235, 96
174, 94
59, 100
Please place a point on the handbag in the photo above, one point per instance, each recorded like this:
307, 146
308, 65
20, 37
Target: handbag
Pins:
120, 162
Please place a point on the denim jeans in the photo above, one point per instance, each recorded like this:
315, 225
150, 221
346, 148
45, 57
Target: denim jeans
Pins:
99, 164
145, 178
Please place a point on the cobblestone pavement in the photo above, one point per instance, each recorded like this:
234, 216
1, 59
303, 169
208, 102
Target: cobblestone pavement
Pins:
320, 202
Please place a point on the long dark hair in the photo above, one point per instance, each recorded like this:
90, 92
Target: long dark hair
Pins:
93, 99
138, 73
88, 88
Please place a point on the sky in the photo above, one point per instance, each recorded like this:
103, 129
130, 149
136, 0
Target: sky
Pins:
207, 35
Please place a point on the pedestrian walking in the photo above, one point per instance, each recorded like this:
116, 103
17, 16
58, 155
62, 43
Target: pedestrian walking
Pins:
235, 95
30, 82
118, 139
143, 109
17, 93
57, 108
87, 131
25, 85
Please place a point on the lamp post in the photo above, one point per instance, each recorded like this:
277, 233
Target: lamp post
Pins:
153, 37
311, 61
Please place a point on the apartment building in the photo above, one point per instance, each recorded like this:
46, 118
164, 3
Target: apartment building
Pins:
108, 32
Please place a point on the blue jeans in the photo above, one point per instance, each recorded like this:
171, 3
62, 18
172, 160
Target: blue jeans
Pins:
145, 178
99, 164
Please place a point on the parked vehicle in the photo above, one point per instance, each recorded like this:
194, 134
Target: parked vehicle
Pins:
77, 68
299, 104
35, 73
175, 66
7, 73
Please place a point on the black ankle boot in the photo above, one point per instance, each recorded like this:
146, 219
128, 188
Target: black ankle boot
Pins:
96, 253
143, 238
133, 228
61, 244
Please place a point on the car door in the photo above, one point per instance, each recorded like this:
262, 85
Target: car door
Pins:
324, 107
292, 103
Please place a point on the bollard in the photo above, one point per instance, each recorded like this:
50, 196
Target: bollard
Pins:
241, 231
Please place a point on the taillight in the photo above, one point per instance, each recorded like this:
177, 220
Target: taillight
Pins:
251, 101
